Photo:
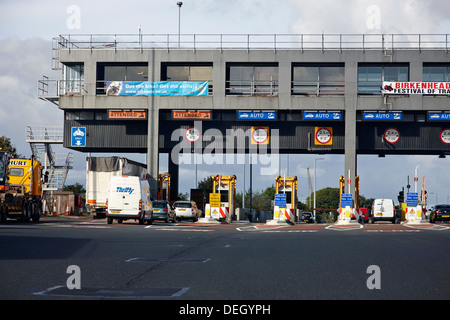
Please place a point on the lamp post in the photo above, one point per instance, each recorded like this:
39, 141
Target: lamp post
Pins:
179, 4
314, 209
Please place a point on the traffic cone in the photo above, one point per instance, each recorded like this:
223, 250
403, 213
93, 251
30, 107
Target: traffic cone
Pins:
54, 209
45, 208
67, 210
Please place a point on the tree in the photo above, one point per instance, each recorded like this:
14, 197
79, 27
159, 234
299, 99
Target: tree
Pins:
206, 185
6, 145
75, 188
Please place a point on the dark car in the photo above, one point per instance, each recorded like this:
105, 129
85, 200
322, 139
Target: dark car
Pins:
307, 217
440, 212
162, 210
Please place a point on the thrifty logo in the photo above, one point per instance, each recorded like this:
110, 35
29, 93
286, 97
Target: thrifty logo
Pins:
128, 190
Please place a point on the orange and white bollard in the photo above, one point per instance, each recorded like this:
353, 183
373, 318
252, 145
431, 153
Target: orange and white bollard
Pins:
54, 208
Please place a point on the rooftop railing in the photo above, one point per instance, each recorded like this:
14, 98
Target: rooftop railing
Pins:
249, 42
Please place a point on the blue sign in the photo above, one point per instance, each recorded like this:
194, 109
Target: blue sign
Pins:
321, 115
164, 88
382, 116
346, 200
280, 200
78, 137
412, 199
439, 116
264, 115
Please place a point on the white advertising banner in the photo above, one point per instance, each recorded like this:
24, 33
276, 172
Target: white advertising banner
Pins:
433, 88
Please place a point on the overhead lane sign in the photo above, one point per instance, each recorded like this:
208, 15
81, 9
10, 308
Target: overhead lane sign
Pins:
383, 116
439, 116
257, 115
322, 115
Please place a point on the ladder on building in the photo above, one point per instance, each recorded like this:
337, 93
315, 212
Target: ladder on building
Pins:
56, 164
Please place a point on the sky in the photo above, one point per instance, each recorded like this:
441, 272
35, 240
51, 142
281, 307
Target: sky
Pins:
28, 26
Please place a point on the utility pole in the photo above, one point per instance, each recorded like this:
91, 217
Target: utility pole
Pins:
179, 4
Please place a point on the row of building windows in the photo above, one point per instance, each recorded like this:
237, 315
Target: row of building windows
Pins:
261, 78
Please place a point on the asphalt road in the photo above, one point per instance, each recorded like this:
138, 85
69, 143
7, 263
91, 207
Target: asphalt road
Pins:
247, 262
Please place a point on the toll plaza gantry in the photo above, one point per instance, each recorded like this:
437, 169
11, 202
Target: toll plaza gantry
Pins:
293, 93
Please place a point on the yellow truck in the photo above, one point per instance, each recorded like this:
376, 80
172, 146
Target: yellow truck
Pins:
20, 189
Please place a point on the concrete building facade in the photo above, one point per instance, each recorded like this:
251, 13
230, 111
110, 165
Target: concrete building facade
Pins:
308, 82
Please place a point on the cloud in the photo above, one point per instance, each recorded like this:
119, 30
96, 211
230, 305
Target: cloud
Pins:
22, 63
358, 16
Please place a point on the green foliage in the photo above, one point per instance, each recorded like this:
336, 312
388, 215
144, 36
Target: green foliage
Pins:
6, 145
75, 188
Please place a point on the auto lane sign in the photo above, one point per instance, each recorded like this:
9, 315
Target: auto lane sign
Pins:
382, 116
78, 137
322, 115
263, 115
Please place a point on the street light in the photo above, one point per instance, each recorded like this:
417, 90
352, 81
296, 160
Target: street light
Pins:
179, 4
314, 209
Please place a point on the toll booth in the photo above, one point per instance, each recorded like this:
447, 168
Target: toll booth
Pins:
285, 209
226, 187
349, 207
164, 186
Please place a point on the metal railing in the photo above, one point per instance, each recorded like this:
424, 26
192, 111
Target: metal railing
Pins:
318, 88
55, 88
252, 41
252, 87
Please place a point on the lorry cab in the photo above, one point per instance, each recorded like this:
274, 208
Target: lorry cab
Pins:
128, 198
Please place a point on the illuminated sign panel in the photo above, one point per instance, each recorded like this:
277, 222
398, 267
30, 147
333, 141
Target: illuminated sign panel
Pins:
127, 115
191, 115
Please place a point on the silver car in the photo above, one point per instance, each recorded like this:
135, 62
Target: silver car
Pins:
186, 210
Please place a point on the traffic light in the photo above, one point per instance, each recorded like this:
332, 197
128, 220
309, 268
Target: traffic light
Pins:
401, 196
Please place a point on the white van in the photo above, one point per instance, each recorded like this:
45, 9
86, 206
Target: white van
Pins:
382, 210
128, 198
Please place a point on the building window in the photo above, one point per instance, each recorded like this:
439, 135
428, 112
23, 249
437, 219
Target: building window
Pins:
371, 76
308, 79
252, 79
120, 72
73, 78
435, 73
188, 72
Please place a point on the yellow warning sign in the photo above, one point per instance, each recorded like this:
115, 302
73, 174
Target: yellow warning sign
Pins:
214, 200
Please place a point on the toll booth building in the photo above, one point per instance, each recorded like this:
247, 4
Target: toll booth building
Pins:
343, 94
